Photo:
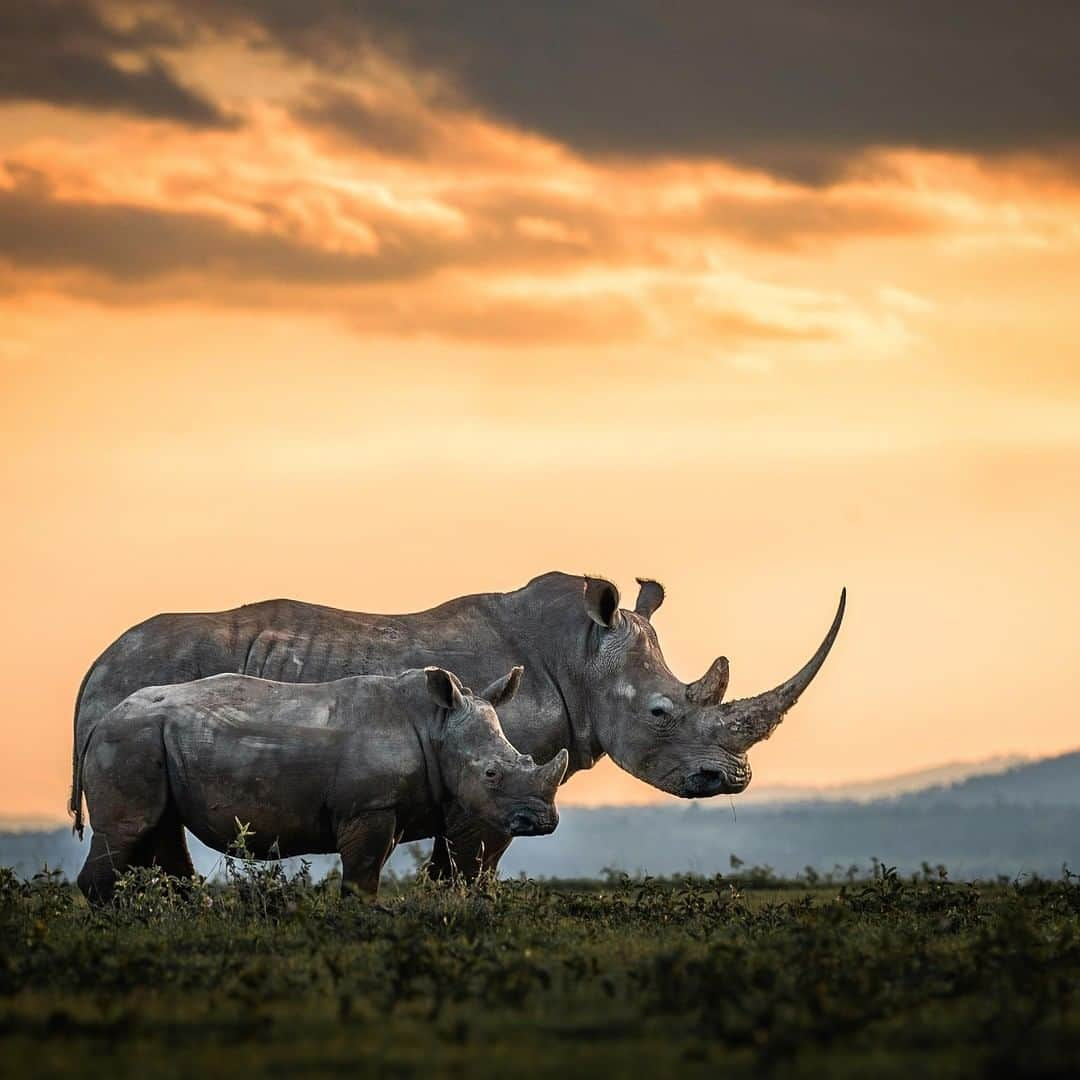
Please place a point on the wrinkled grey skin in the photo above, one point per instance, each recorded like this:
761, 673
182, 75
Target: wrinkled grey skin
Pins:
351, 766
596, 683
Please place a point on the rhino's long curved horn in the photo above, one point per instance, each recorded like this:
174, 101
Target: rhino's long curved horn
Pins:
749, 720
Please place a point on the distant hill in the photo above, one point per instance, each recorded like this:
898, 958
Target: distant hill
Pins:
900, 784
23, 822
1049, 782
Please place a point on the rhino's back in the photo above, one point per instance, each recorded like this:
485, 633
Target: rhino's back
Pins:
248, 700
288, 760
294, 642
299, 642
165, 649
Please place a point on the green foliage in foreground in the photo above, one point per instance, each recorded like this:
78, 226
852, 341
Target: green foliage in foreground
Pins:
623, 977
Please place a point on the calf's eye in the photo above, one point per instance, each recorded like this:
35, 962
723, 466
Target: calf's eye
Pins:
658, 710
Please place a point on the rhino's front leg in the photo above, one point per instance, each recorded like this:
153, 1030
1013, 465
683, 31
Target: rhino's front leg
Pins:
468, 849
440, 867
365, 843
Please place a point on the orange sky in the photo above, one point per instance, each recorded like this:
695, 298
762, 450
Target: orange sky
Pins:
442, 352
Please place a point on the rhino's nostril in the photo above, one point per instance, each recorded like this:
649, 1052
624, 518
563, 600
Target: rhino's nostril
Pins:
524, 823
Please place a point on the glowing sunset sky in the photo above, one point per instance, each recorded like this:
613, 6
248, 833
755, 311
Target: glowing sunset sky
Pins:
377, 304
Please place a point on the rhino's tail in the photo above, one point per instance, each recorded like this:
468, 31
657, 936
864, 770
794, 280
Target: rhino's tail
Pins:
75, 802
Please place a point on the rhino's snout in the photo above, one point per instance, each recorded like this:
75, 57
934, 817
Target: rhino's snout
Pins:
533, 822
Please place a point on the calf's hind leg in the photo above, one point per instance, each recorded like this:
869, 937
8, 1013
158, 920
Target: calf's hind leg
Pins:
127, 795
97, 878
365, 843
170, 850
110, 855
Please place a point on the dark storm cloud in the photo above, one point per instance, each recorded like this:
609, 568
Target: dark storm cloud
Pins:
65, 52
796, 87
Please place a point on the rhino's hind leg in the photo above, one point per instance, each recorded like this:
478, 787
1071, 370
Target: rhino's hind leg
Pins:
169, 845
127, 796
97, 878
365, 843
109, 857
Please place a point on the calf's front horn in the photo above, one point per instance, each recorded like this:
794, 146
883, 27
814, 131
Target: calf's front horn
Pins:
553, 772
749, 720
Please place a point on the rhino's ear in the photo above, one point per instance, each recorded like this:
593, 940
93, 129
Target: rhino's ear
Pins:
601, 602
444, 688
650, 597
502, 690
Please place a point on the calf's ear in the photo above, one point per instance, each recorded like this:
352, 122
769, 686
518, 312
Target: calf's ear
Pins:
502, 690
444, 688
601, 602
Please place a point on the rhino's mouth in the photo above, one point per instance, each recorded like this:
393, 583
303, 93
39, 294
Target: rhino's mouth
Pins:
711, 779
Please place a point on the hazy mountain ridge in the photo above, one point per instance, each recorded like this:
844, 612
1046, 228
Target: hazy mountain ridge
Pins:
1051, 781
885, 787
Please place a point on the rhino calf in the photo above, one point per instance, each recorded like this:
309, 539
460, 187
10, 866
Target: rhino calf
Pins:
352, 766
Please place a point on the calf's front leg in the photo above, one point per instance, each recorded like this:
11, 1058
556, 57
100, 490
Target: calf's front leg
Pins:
469, 848
365, 843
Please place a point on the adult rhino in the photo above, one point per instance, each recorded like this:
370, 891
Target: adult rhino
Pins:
596, 683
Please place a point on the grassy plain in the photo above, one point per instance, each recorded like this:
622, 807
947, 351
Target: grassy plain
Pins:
264, 976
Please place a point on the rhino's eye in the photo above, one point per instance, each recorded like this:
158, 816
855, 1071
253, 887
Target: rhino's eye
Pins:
491, 772
663, 714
